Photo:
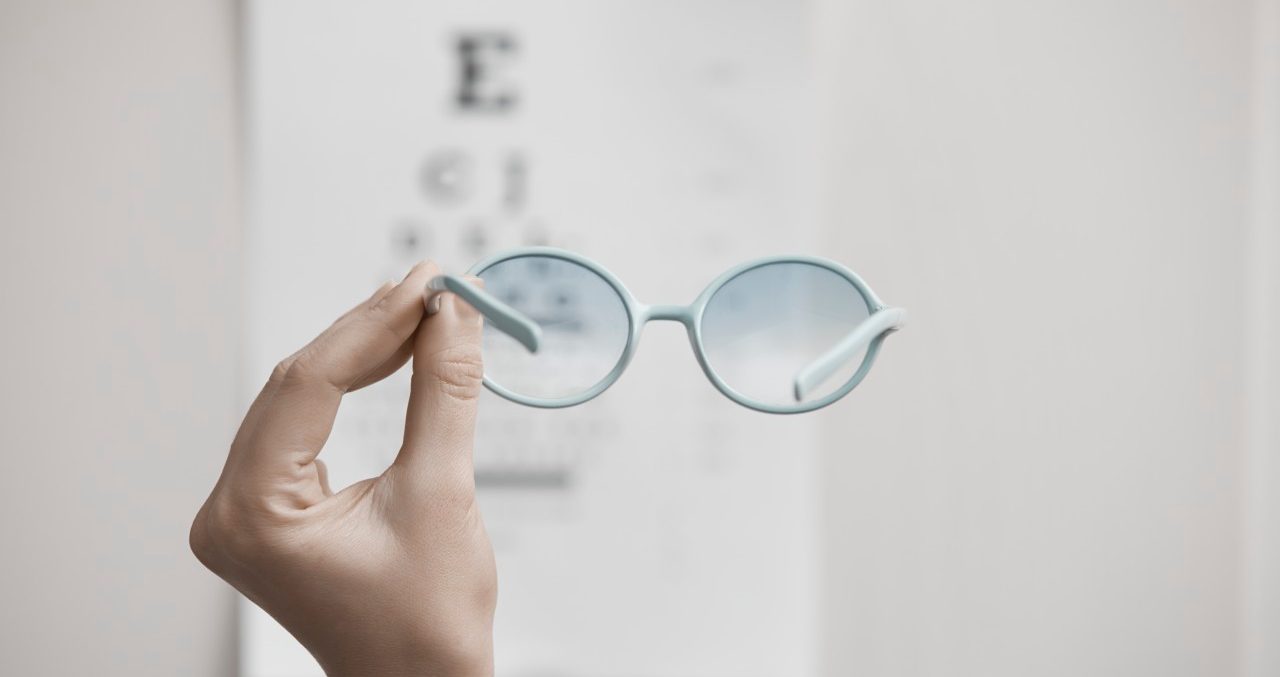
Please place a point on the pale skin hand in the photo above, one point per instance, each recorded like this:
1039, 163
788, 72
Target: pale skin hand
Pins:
393, 575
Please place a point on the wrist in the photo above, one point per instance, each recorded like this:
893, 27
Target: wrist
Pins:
427, 667
472, 657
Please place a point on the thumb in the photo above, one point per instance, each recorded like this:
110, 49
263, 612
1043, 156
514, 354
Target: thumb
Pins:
447, 376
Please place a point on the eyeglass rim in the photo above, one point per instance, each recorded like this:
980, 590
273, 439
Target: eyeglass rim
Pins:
639, 314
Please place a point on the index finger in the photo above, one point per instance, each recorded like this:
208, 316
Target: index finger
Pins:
295, 421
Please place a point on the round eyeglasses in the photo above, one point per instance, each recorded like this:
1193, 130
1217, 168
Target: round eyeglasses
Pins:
783, 335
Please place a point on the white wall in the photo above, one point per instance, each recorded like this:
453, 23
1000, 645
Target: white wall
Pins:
1043, 476
119, 265
1261, 585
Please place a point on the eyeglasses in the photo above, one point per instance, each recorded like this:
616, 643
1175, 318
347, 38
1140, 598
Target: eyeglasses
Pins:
782, 335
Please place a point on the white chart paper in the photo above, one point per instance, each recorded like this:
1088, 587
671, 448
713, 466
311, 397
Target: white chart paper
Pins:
660, 530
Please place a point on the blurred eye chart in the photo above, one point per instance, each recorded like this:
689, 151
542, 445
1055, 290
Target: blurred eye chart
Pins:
659, 530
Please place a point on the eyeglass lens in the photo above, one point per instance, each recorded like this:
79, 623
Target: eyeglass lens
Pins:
584, 327
765, 325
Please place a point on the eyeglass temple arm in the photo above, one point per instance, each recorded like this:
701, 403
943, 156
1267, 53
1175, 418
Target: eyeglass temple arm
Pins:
501, 316
852, 345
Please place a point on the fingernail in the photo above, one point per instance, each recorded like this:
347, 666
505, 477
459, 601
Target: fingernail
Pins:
433, 303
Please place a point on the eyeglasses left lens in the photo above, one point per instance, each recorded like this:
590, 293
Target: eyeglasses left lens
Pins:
764, 329
583, 321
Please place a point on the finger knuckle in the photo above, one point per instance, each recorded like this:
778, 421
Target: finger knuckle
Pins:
385, 318
458, 647
201, 542
225, 532
214, 536
458, 371
281, 370
455, 494
485, 592
303, 370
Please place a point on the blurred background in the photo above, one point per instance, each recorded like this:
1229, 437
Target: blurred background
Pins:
1068, 464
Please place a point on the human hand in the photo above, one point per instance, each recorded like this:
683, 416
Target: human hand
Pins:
393, 575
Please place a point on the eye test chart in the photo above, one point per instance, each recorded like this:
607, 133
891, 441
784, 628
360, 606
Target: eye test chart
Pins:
659, 530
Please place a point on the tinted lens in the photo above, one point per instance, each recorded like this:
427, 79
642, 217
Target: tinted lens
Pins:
767, 324
584, 327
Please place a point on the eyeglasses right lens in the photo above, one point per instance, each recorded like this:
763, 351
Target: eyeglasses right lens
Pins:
583, 321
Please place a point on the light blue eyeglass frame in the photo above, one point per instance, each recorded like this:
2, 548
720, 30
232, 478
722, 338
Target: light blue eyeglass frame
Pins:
868, 335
